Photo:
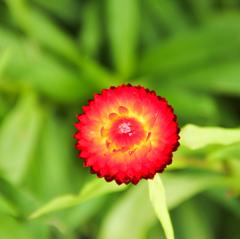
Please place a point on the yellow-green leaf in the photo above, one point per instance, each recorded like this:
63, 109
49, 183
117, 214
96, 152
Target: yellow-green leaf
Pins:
158, 200
195, 137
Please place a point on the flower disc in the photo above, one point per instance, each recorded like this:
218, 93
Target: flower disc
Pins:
127, 133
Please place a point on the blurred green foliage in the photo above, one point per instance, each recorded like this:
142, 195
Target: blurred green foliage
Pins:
54, 55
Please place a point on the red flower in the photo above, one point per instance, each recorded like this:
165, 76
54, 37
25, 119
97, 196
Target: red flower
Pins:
127, 133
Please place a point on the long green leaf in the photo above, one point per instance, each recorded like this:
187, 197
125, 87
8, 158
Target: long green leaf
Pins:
4, 59
159, 203
60, 83
18, 198
169, 14
39, 27
6, 207
123, 27
181, 187
90, 35
229, 152
11, 228
21, 52
18, 138
195, 137
31, 65
194, 48
219, 79
67, 10
91, 190
50, 174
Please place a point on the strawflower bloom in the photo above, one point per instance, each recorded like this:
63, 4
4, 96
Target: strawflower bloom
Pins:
127, 133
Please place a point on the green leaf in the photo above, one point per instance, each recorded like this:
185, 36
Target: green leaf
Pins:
91, 190
194, 49
18, 137
230, 3
67, 10
229, 152
60, 83
225, 199
149, 35
18, 197
4, 106
169, 14
195, 137
184, 102
219, 79
181, 187
200, 220
51, 174
39, 27
77, 216
4, 60
123, 28
31, 65
130, 217
11, 229
21, 50
159, 203
6, 207
90, 35
202, 9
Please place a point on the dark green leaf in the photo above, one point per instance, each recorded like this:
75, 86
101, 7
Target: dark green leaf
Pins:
199, 226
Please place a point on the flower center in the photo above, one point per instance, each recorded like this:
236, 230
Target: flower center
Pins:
126, 132
125, 128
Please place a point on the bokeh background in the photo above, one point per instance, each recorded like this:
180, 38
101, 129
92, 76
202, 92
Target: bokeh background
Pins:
55, 54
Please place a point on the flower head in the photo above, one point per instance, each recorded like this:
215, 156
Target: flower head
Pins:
127, 133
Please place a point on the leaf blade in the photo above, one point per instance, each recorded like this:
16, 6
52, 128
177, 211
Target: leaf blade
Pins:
195, 137
158, 200
123, 32
22, 124
93, 189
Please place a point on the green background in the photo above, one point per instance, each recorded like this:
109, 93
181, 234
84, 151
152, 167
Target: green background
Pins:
55, 54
